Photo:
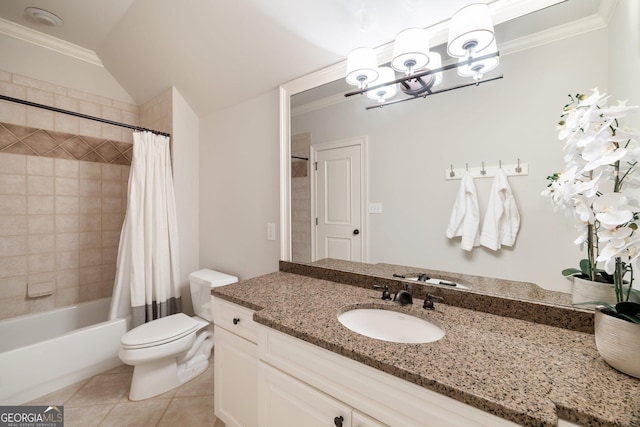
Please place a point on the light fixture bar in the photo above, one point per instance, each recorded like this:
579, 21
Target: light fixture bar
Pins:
435, 92
426, 73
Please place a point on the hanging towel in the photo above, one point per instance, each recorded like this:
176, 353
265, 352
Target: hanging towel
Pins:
465, 217
502, 220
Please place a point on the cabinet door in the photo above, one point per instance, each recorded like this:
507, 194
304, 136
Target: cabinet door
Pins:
358, 419
287, 402
235, 369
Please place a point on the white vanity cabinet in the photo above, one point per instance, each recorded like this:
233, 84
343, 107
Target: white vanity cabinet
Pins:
235, 365
302, 384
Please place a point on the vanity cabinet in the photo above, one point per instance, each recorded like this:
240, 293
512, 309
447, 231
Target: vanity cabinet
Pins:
235, 365
302, 384
287, 402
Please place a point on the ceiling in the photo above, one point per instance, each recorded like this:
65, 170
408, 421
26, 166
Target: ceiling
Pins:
218, 53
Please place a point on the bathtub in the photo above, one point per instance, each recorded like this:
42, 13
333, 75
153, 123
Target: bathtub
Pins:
42, 352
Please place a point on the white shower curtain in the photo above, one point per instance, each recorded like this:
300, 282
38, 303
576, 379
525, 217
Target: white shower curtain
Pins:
147, 276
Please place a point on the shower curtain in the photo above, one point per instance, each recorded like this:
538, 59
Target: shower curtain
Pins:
147, 275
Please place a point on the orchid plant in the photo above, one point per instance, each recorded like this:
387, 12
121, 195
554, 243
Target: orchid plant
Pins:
600, 188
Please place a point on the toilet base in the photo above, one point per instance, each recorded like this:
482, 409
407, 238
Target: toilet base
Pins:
153, 378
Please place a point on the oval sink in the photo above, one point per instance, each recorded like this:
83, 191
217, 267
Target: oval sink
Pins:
390, 325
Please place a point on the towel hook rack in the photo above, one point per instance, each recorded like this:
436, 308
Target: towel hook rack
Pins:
452, 173
483, 171
499, 164
518, 168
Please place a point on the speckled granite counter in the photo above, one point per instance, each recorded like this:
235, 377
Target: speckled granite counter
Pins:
525, 372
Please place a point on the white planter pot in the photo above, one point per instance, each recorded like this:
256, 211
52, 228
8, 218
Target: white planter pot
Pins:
618, 342
587, 291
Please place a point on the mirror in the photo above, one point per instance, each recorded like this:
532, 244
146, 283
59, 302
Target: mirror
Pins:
546, 55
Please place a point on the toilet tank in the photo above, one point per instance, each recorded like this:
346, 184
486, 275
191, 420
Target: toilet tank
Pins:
201, 283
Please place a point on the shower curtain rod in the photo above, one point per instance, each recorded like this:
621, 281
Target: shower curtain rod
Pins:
83, 116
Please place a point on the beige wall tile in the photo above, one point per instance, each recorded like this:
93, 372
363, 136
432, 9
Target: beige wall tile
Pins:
14, 114
67, 205
42, 166
40, 205
42, 243
90, 257
110, 238
111, 172
39, 263
13, 184
13, 90
90, 187
111, 188
13, 246
89, 128
13, 205
90, 239
39, 96
67, 223
110, 255
15, 164
66, 260
111, 113
40, 224
67, 186
66, 168
84, 96
13, 266
11, 287
89, 108
90, 170
111, 132
13, 225
38, 84
67, 241
39, 118
5, 76
90, 274
66, 123
112, 222
90, 222
90, 205
40, 185
112, 205
67, 278
37, 305
66, 296
65, 102
11, 307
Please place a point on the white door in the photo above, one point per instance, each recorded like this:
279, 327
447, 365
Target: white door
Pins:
339, 199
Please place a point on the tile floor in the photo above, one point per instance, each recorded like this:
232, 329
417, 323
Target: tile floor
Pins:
103, 401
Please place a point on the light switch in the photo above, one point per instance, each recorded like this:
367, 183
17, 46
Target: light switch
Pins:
375, 208
271, 231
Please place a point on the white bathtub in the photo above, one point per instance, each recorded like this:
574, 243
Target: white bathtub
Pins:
42, 352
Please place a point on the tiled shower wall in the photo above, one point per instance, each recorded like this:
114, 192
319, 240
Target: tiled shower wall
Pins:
300, 199
60, 218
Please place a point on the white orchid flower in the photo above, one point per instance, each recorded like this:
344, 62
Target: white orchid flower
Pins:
601, 154
611, 210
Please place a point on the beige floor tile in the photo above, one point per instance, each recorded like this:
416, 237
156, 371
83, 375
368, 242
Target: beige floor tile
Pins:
86, 416
133, 414
59, 397
202, 385
122, 369
103, 389
189, 411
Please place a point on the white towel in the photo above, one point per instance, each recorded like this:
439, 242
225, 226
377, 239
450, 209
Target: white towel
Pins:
465, 217
502, 220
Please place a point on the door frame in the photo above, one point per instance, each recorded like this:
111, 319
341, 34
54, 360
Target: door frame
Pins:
363, 142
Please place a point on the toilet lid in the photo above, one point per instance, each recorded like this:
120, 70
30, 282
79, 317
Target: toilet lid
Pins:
160, 331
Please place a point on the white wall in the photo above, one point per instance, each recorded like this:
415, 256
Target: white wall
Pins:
411, 144
185, 135
39, 63
239, 187
624, 54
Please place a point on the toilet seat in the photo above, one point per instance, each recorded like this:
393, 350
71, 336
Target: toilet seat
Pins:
160, 331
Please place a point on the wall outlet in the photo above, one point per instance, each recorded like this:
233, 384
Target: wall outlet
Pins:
375, 208
271, 231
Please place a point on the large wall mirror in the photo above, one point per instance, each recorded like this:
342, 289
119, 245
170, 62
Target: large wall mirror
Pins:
545, 55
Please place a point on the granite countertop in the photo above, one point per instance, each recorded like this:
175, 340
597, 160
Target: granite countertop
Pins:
525, 372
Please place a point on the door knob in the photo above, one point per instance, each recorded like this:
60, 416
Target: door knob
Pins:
356, 232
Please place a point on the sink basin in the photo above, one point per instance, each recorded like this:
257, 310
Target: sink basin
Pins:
388, 325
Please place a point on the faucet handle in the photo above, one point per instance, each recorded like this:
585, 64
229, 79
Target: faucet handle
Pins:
428, 302
385, 292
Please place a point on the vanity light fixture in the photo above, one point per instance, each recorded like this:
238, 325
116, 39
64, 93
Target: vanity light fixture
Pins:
471, 39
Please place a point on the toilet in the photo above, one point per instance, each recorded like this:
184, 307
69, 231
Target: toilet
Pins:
172, 350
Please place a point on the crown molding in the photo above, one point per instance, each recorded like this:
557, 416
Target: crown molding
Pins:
28, 35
